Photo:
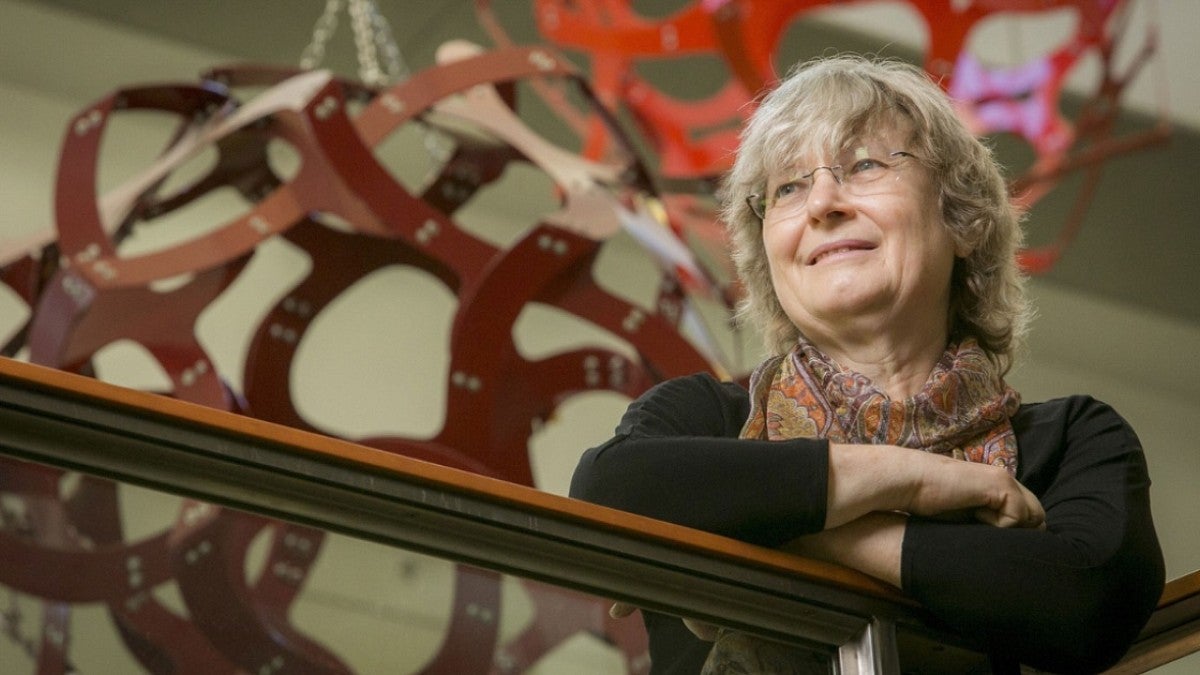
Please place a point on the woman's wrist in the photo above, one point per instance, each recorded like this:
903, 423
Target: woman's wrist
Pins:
872, 544
869, 478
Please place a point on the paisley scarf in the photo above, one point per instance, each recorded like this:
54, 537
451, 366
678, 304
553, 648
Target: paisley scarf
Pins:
962, 411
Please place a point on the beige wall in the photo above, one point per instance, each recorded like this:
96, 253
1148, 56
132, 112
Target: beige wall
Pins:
54, 64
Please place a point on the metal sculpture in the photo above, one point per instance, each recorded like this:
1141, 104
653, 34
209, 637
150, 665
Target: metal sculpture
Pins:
97, 296
694, 139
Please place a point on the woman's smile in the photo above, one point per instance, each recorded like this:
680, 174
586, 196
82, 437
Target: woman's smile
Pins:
838, 250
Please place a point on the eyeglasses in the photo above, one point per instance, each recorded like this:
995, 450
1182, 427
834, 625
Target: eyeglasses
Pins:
859, 171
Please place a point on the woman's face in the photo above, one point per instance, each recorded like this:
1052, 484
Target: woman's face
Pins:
870, 254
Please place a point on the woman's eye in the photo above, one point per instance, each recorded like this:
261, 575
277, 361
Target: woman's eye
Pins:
787, 189
867, 164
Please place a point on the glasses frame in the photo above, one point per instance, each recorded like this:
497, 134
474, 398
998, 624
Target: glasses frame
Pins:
757, 201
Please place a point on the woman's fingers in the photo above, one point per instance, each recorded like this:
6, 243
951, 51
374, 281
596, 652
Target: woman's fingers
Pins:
620, 610
991, 493
1014, 506
702, 629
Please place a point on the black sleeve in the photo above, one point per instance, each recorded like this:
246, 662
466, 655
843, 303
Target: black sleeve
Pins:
1070, 598
676, 457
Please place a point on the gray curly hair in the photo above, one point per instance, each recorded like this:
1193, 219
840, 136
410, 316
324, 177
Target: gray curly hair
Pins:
827, 103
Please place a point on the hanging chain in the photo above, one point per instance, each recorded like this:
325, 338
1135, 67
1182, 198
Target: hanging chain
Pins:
373, 36
379, 60
373, 39
314, 53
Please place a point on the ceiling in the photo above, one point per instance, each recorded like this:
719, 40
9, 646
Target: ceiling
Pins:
1141, 238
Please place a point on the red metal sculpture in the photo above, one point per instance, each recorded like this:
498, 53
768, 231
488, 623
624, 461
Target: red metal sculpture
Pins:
694, 139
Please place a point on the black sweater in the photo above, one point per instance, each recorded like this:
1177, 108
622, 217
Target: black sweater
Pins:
1068, 598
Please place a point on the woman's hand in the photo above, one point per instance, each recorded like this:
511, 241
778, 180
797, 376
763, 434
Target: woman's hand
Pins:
871, 544
944, 485
869, 478
871, 487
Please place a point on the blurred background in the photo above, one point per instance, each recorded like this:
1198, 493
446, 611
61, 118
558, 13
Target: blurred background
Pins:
1118, 308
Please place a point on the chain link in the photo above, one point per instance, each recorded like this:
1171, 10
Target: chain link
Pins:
373, 40
368, 61
314, 53
385, 44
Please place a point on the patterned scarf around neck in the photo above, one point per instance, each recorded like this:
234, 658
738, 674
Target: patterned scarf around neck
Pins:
962, 411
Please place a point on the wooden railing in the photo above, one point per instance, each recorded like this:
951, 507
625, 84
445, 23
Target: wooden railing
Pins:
1172, 632
81, 424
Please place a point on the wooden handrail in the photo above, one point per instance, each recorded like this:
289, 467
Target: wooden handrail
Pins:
184, 414
1172, 632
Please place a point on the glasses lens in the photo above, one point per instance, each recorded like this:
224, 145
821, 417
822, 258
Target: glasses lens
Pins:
860, 170
864, 167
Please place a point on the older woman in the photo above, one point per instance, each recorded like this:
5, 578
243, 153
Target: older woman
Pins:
876, 242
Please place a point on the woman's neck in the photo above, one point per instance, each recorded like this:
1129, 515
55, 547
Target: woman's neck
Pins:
898, 365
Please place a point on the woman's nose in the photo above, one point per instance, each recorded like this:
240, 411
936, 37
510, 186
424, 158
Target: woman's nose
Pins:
826, 198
